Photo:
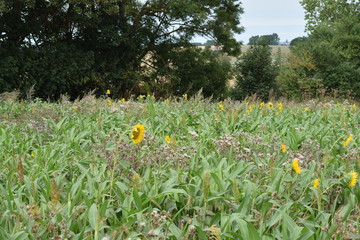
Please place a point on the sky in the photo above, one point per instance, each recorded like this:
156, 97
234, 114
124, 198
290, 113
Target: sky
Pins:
263, 17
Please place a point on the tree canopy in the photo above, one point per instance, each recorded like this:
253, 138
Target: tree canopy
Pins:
271, 39
97, 44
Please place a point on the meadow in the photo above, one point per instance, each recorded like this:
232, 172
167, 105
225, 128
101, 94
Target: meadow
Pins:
179, 168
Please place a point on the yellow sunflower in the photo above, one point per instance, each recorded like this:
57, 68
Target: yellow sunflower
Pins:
348, 140
137, 134
295, 166
316, 183
353, 178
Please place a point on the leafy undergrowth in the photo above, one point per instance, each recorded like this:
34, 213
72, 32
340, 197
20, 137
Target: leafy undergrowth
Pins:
202, 170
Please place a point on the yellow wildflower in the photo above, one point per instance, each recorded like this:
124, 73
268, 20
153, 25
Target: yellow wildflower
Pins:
295, 166
108, 92
123, 100
354, 107
221, 107
137, 134
280, 106
261, 105
109, 102
348, 140
185, 96
32, 154
283, 148
168, 139
167, 100
270, 105
141, 96
249, 110
306, 109
316, 183
353, 178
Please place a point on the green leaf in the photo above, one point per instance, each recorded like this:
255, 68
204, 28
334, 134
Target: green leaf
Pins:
93, 215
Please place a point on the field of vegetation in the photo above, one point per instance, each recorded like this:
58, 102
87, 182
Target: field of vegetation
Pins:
184, 168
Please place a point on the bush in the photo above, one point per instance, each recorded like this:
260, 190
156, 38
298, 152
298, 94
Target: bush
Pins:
255, 73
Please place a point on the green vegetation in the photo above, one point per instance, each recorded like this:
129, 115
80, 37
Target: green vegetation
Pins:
202, 171
73, 47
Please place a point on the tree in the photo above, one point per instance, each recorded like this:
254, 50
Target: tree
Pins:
255, 73
327, 11
333, 48
297, 40
117, 36
272, 39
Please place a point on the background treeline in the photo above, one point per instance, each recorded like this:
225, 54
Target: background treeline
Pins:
130, 47
138, 47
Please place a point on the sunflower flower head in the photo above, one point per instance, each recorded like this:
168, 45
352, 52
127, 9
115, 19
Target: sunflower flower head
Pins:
295, 166
316, 183
108, 92
283, 148
123, 100
262, 105
137, 134
348, 140
270, 105
221, 107
353, 178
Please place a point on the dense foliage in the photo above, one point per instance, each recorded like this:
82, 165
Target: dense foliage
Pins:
271, 39
75, 46
179, 169
255, 73
329, 59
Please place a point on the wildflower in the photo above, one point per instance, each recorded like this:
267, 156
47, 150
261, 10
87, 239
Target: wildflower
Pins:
32, 155
354, 107
123, 100
168, 139
185, 96
109, 102
137, 134
261, 105
141, 96
353, 178
221, 107
283, 148
295, 166
108, 92
270, 105
75, 109
348, 140
306, 109
249, 110
280, 106
316, 183
167, 100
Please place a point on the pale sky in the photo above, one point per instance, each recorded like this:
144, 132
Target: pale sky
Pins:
262, 17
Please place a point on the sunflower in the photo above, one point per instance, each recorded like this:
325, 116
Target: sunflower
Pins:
316, 183
295, 166
348, 140
353, 178
137, 134
108, 92
270, 105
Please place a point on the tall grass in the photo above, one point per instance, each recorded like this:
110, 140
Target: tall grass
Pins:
71, 171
